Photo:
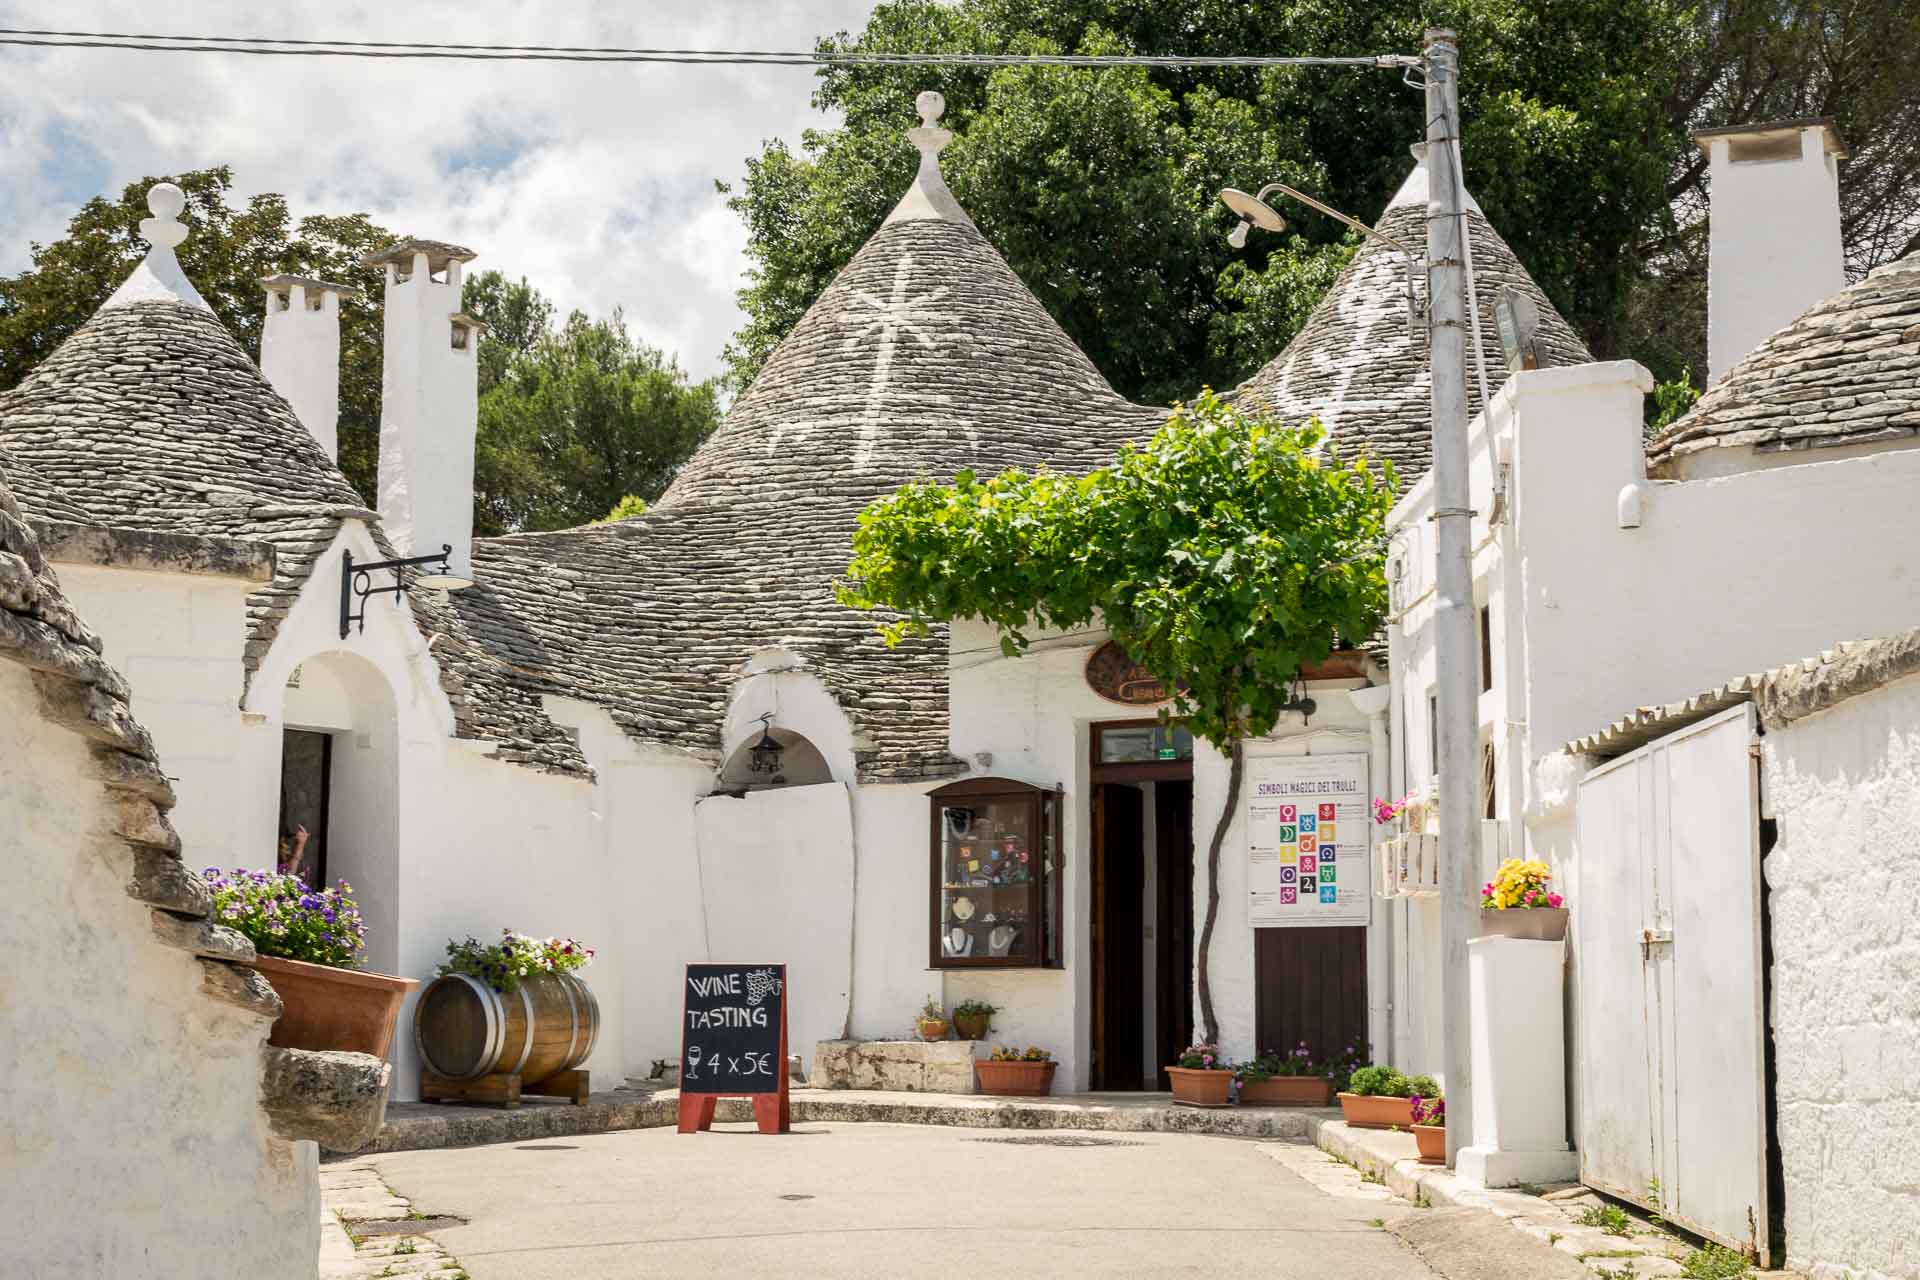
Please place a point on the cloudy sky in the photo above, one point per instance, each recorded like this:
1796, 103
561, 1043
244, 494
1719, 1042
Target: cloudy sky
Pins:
595, 182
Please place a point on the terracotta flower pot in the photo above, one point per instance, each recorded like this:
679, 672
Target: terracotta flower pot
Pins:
1364, 1112
972, 1026
931, 1028
1206, 1088
1286, 1091
1432, 1139
328, 1008
1014, 1079
1539, 924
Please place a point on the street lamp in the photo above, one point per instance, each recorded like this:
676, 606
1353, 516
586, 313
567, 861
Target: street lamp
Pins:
1254, 211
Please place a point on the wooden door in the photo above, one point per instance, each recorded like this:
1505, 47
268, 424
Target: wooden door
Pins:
1310, 984
1173, 922
1119, 860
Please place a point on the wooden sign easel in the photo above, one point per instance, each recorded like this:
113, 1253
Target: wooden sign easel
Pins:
772, 1109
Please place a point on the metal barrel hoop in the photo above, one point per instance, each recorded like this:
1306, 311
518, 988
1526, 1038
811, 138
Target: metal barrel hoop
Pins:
496, 1031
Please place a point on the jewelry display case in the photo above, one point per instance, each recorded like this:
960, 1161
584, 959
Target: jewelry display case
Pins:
996, 875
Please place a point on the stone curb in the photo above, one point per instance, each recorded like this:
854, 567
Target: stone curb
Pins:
453, 1125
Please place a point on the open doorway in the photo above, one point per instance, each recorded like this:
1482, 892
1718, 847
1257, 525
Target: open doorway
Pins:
1142, 909
306, 785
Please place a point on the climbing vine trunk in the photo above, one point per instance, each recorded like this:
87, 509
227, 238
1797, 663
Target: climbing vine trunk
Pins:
1209, 1024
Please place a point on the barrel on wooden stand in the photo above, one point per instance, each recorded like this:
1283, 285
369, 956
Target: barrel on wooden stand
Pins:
481, 1045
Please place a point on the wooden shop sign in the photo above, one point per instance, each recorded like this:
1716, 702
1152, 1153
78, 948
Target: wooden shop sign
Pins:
1118, 678
733, 1043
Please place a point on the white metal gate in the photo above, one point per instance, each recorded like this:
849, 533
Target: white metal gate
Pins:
1671, 1022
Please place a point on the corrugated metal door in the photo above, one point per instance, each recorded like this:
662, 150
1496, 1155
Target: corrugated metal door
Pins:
1672, 1029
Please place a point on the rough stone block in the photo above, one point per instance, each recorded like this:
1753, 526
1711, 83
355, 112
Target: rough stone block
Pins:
138, 821
92, 713
912, 1066
123, 772
241, 987
160, 879
203, 938
335, 1099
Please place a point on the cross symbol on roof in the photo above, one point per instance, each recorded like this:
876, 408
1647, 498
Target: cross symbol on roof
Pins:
895, 314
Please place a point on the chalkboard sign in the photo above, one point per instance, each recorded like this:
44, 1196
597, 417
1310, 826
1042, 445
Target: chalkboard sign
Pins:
733, 1042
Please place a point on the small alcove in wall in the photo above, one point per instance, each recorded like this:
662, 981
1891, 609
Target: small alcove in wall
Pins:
800, 763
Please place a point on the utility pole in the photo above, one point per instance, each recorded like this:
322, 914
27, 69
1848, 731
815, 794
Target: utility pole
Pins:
1455, 635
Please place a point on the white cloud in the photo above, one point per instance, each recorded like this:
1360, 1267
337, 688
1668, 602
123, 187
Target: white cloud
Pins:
595, 182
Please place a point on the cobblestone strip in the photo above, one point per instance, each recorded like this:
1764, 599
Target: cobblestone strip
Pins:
353, 1193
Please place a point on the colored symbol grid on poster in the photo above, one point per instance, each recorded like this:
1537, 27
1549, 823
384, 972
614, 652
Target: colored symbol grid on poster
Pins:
1326, 875
1328, 895
1288, 813
1327, 853
1308, 843
1308, 863
1288, 853
1308, 823
1289, 894
1288, 875
1327, 812
1309, 885
1288, 832
1326, 832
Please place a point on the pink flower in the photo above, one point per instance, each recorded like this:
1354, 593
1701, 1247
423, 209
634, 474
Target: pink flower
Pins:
1554, 899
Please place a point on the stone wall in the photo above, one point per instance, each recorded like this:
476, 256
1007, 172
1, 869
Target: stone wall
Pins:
136, 1145
1844, 887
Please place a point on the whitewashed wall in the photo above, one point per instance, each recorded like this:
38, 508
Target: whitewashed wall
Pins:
121, 1081
178, 638
1032, 714
1844, 886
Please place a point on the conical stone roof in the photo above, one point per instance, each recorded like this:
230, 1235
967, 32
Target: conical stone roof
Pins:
1847, 372
1359, 364
925, 356
151, 417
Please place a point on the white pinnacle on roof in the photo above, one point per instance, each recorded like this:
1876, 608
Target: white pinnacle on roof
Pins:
159, 278
929, 197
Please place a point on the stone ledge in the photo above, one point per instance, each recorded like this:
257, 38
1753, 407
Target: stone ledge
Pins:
65, 542
335, 1099
909, 1066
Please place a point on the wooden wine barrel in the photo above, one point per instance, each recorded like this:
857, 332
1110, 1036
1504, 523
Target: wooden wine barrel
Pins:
465, 1029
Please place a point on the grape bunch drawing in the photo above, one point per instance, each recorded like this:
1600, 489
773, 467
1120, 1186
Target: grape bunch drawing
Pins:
761, 983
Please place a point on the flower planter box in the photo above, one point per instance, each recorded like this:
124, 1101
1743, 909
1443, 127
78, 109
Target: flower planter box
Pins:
328, 1008
1432, 1140
1201, 1088
1286, 1091
1539, 924
1363, 1112
1014, 1079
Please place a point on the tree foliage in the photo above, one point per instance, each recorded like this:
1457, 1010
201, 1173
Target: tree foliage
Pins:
574, 420
1222, 556
1099, 185
229, 250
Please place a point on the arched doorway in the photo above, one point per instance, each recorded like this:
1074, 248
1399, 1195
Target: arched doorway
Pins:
340, 766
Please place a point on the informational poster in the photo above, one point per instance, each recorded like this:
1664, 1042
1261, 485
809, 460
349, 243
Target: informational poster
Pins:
1308, 855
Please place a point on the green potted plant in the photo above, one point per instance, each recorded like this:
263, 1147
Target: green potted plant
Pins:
1291, 1079
1015, 1073
932, 1022
973, 1018
1429, 1127
1201, 1077
309, 943
1377, 1098
1519, 902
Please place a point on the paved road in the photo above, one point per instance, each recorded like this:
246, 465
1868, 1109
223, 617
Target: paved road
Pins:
871, 1200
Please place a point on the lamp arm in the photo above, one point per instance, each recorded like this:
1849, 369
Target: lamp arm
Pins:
1331, 212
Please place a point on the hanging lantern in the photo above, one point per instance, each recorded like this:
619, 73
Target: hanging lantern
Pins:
764, 756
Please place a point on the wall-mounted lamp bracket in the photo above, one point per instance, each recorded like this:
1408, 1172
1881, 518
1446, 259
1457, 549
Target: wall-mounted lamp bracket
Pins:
356, 582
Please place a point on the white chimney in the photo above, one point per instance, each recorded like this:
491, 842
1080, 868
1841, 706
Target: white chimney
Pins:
300, 351
1773, 231
429, 405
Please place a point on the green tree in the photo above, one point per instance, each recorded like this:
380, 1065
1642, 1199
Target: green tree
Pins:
582, 418
229, 251
1222, 557
1099, 185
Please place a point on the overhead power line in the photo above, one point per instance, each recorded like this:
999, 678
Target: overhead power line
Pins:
273, 46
